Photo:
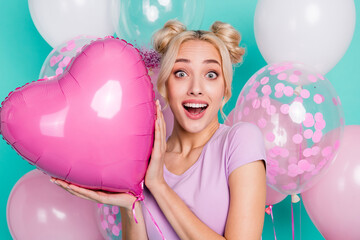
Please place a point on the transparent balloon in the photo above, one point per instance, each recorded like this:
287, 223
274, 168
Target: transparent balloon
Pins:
109, 220
301, 119
59, 58
137, 20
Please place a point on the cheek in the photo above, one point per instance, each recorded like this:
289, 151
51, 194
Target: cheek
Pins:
173, 90
217, 92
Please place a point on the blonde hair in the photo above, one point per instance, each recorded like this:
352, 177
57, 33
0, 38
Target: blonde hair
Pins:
222, 36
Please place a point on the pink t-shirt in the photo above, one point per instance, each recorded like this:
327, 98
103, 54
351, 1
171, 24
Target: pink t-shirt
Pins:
204, 186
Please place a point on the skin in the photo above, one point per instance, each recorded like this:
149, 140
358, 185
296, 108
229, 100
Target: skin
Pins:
197, 74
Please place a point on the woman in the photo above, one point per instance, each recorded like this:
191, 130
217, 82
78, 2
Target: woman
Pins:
207, 180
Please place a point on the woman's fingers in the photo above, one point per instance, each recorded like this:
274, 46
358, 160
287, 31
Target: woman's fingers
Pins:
157, 141
162, 127
65, 186
81, 192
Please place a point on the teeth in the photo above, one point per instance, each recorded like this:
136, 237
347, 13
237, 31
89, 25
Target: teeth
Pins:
195, 105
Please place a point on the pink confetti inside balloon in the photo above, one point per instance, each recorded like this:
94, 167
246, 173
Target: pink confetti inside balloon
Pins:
298, 108
60, 57
109, 221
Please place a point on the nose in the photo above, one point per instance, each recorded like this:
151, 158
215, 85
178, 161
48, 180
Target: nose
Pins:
195, 87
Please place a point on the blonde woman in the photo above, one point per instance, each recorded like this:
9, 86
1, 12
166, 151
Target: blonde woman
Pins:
207, 180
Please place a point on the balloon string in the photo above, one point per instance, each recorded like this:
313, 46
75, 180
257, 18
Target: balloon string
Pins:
138, 198
156, 225
272, 218
141, 198
292, 220
300, 218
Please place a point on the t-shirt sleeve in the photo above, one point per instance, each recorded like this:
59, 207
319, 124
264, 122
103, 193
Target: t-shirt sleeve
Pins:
245, 145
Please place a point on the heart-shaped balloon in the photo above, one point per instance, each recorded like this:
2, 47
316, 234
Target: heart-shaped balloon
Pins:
93, 125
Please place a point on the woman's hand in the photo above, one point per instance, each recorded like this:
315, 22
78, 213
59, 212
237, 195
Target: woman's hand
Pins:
124, 200
155, 171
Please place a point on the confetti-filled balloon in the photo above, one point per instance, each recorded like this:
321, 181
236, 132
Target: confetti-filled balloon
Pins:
301, 118
60, 57
109, 220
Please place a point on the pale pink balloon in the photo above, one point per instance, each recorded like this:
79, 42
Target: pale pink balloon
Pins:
93, 125
273, 197
332, 203
39, 210
229, 119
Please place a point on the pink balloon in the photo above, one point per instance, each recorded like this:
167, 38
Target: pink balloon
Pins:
301, 135
273, 197
332, 203
93, 125
39, 210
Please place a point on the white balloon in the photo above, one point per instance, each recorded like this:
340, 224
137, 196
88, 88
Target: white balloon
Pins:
59, 21
316, 33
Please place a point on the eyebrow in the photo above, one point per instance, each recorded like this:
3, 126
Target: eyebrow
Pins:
211, 61
205, 61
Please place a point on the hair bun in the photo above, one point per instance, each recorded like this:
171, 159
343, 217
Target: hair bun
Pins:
162, 37
231, 37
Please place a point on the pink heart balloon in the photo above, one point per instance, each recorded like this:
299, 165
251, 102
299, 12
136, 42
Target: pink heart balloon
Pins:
93, 125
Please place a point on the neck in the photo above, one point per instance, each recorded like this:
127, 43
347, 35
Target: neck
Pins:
183, 142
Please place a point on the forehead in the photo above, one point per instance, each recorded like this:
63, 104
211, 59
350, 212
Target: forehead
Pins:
198, 49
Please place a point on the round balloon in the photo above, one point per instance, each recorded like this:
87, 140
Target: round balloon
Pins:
273, 197
332, 203
39, 210
109, 219
59, 21
93, 125
137, 20
60, 57
315, 33
301, 119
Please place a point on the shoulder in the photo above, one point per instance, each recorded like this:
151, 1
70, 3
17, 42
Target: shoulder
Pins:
244, 144
243, 131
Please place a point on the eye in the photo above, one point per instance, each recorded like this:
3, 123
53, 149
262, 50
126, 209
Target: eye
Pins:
180, 74
212, 75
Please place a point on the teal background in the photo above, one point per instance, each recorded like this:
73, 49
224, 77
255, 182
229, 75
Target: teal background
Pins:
23, 51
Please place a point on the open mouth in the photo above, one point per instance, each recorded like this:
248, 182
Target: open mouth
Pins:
195, 108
